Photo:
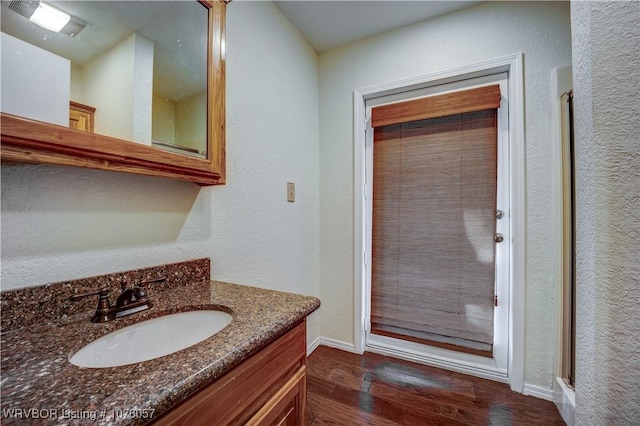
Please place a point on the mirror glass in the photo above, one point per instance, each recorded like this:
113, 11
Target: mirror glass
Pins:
133, 70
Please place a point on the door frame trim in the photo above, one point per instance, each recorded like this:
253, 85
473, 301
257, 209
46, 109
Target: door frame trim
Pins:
513, 65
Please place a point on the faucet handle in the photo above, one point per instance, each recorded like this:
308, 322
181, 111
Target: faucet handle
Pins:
141, 292
155, 280
103, 311
103, 292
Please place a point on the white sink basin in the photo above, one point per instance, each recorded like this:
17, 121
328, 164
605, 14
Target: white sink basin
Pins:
151, 339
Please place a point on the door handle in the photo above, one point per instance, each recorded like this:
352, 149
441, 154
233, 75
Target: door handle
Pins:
498, 237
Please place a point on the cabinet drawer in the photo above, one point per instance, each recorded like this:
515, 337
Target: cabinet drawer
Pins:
287, 407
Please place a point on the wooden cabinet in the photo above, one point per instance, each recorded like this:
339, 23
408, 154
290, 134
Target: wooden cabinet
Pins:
269, 388
81, 116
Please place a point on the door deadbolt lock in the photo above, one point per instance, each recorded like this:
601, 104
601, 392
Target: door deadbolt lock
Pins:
498, 238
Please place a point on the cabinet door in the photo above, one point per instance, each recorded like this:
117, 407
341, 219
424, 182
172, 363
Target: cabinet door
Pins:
290, 417
287, 406
81, 116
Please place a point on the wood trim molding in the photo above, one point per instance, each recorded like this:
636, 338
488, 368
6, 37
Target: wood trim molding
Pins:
30, 141
216, 87
478, 99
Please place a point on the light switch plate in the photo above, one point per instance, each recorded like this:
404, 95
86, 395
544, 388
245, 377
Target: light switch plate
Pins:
291, 192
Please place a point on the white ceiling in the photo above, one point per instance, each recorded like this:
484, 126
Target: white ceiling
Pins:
328, 24
325, 24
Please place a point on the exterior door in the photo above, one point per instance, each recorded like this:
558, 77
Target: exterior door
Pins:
438, 214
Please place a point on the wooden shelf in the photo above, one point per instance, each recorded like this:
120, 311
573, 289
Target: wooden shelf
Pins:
30, 141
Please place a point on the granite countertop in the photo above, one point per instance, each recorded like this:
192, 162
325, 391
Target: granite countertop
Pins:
39, 381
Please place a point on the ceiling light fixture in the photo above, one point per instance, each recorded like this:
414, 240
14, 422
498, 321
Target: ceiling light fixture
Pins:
50, 18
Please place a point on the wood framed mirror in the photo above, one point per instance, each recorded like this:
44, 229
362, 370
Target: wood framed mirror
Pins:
30, 140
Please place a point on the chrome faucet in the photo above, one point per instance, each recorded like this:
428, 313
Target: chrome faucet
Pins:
131, 300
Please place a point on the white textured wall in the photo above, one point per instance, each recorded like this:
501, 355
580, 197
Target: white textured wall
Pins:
26, 90
272, 138
76, 83
107, 85
191, 122
119, 84
142, 89
61, 223
606, 70
163, 120
541, 30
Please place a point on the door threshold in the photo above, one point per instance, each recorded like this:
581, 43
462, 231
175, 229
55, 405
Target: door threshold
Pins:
465, 363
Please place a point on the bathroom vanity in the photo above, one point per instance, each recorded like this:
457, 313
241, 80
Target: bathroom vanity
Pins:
250, 372
266, 389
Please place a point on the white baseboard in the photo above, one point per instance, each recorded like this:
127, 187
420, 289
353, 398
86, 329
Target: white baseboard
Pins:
565, 400
538, 392
313, 346
332, 343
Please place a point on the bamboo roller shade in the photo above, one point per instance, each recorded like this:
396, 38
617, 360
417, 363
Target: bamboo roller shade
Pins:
434, 201
478, 99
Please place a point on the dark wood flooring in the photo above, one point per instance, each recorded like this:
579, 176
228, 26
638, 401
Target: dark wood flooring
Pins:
370, 389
